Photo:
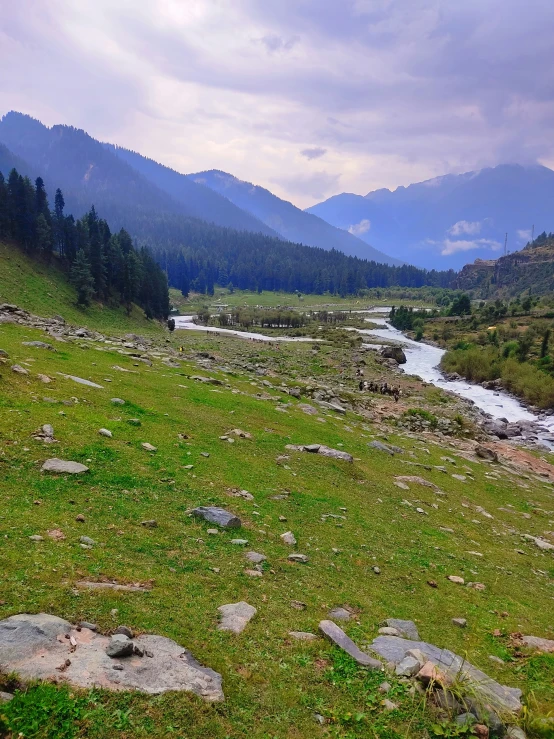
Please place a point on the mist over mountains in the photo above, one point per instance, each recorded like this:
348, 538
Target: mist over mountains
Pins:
448, 221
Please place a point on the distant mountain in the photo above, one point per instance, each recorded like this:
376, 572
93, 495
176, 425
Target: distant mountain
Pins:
287, 220
446, 221
9, 161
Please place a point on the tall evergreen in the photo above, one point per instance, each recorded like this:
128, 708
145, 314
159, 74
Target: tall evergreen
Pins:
81, 278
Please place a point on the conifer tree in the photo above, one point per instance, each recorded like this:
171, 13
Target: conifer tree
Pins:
81, 278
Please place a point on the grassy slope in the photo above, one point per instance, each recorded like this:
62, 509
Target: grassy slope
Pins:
273, 686
44, 290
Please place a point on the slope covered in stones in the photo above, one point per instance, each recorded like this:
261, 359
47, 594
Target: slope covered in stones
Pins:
233, 424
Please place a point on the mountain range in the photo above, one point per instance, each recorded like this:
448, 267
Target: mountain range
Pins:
448, 221
153, 202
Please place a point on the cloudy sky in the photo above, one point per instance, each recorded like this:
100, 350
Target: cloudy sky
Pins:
306, 97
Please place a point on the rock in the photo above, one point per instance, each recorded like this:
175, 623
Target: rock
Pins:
417, 481
80, 518
254, 573
219, 516
495, 429
388, 705
19, 370
536, 642
117, 401
340, 613
465, 719
384, 687
212, 532
309, 410
302, 558
87, 540
33, 646
48, 430
481, 731
80, 381
119, 646
335, 454
44, 378
88, 625
303, 635
407, 629
389, 449
376, 570
485, 692
338, 637
240, 433
56, 534
148, 447
394, 352
408, 667
235, 616
461, 622
456, 579
36, 537
288, 538
89, 585
39, 345
61, 466
3, 354
388, 631
461, 478
125, 630
486, 453
134, 421
150, 524
5, 697
312, 448
239, 542
514, 732
255, 557
106, 433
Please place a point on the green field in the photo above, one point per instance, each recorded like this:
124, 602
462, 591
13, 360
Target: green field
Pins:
273, 685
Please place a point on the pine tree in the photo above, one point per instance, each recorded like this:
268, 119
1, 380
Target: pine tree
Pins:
43, 236
81, 278
59, 229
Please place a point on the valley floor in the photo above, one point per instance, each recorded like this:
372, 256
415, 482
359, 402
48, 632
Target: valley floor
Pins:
375, 548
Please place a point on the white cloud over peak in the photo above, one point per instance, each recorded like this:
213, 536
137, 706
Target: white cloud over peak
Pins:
452, 247
360, 228
465, 227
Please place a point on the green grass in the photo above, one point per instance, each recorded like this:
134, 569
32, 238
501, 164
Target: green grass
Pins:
45, 291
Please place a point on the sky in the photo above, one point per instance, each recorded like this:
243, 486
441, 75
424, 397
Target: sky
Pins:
308, 98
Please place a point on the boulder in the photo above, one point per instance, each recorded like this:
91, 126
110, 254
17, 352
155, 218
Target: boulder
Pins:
120, 645
34, 646
336, 635
388, 448
486, 453
407, 629
19, 370
236, 616
394, 352
62, 466
39, 345
219, 516
538, 643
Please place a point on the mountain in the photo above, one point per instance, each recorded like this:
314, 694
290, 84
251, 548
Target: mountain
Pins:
444, 221
531, 269
292, 223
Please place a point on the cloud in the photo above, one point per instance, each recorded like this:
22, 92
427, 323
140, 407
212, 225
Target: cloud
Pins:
524, 234
273, 43
360, 228
452, 247
465, 227
315, 185
314, 153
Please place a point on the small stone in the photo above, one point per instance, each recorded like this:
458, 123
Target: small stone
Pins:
48, 430
19, 370
88, 625
303, 635
407, 629
282, 518
117, 401
298, 605
514, 732
298, 558
384, 687
481, 731
36, 537
235, 616
148, 447
376, 570
212, 532
150, 524
134, 421
56, 534
496, 660
87, 540
456, 579
388, 705
432, 584
61, 466
5, 697
408, 667
105, 432
388, 631
219, 516
253, 573
119, 646
288, 538
44, 378
204, 454
340, 614
125, 630
239, 542
118, 667
461, 622
80, 518
255, 557
336, 635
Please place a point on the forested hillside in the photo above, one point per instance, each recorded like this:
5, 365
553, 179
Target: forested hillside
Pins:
100, 264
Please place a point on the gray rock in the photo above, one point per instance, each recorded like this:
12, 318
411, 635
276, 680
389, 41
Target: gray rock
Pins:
303, 635
219, 516
5, 697
61, 466
388, 631
394, 352
134, 421
407, 629
389, 449
309, 410
461, 622
87, 540
255, 557
150, 524
235, 616
117, 401
88, 625
408, 667
106, 433
19, 370
538, 643
39, 345
81, 381
48, 430
514, 732
36, 537
298, 558
384, 687
125, 630
335, 454
239, 542
33, 646
119, 646
486, 453
489, 696
340, 613
148, 447
465, 719
313, 448
288, 538
388, 705
3, 354
336, 635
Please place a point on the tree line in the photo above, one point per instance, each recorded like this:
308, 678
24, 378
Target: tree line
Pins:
256, 262
101, 265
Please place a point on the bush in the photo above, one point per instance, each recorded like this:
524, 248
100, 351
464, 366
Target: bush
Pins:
477, 364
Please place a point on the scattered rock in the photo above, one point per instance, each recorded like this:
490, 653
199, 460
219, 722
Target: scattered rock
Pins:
5, 697
388, 448
239, 542
253, 573
408, 667
461, 622
134, 421
117, 401
106, 433
394, 352
44, 378
298, 558
340, 613
39, 345
80, 518
514, 732
119, 646
212, 532
56, 534
19, 370
456, 579
87, 541
538, 643
384, 687
34, 646
388, 631
486, 453
303, 635
235, 616
61, 466
407, 629
325, 451
150, 524
90, 585
417, 481
336, 635
36, 537
81, 381
88, 625
255, 557
219, 516
288, 538
124, 630
148, 447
